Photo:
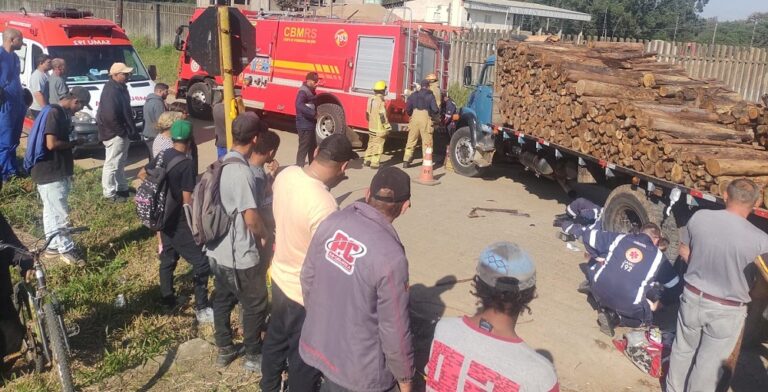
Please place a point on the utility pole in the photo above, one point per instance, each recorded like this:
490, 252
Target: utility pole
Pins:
225, 50
714, 34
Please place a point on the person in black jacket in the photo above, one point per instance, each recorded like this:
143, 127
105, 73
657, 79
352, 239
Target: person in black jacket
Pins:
306, 119
116, 127
421, 106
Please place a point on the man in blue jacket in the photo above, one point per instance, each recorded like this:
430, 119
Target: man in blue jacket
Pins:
12, 107
629, 283
356, 269
306, 119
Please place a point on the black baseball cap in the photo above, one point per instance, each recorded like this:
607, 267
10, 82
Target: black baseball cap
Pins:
394, 179
82, 95
246, 123
312, 76
336, 148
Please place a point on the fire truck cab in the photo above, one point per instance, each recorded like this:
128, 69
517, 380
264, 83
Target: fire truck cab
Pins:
89, 46
349, 56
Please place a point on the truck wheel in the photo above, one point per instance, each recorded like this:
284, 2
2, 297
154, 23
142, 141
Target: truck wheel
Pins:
330, 120
628, 208
462, 150
199, 99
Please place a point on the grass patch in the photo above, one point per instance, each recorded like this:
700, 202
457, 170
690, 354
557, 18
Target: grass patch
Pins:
122, 259
165, 58
459, 94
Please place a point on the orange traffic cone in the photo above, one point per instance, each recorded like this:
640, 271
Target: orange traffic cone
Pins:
426, 177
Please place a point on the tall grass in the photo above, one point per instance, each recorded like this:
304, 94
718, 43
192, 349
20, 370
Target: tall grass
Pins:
121, 259
165, 58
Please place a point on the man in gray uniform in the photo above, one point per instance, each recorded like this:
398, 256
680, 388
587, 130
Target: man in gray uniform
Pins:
720, 247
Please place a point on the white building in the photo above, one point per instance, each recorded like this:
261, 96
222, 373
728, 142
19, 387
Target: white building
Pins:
493, 14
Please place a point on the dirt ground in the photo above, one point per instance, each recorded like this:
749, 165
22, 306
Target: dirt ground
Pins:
442, 243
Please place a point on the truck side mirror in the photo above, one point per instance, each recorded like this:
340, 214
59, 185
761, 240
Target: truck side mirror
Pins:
178, 41
467, 75
152, 72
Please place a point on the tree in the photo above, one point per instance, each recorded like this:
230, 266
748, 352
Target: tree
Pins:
641, 19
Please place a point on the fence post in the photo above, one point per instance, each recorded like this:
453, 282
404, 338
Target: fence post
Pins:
119, 13
158, 30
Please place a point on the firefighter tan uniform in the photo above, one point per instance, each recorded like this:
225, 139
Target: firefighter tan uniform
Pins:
434, 86
421, 106
378, 126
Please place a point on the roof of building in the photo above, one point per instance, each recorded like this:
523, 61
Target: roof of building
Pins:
525, 8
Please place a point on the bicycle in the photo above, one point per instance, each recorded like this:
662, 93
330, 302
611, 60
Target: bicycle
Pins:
46, 339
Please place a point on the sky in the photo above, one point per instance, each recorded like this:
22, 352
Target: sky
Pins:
733, 9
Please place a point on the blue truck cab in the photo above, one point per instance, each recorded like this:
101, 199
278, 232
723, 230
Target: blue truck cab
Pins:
473, 143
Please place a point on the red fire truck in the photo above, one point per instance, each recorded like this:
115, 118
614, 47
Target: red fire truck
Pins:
349, 57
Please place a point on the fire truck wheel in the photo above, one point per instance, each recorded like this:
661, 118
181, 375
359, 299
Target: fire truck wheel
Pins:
199, 98
330, 120
628, 208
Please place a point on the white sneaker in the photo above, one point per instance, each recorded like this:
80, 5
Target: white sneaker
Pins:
204, 316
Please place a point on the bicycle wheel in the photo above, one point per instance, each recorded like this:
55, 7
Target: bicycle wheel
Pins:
31, 345
59, 354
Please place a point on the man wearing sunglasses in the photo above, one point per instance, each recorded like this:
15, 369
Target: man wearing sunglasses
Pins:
116, 127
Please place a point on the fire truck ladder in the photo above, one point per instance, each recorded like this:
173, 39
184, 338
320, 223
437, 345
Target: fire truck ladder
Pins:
412, 47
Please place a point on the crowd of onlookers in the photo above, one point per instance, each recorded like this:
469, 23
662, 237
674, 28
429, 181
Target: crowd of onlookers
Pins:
337, 316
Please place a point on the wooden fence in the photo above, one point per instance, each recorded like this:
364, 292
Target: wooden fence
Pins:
156, 21
743, 69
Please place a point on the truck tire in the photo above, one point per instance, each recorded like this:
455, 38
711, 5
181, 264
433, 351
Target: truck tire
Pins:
461, 151
628, 206
330, 120
199, 101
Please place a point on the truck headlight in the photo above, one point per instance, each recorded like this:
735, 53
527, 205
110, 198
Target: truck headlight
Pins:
83, 117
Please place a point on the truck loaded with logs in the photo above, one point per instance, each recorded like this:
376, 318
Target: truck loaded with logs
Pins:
663, 143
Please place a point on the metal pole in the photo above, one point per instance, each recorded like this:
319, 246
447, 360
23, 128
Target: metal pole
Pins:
225, 48
754, 27
714, 34
605, 21
157, 25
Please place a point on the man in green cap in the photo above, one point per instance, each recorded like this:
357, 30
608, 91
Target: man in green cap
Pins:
176, 237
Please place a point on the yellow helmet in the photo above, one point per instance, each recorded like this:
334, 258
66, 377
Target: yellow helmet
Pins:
380, 86
431, 77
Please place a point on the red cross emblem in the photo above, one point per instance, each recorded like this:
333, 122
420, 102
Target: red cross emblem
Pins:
634, 255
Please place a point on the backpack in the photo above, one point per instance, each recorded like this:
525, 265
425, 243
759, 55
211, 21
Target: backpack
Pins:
208, 219
153, 198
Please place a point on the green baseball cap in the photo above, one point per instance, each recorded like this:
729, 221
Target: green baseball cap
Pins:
181, 130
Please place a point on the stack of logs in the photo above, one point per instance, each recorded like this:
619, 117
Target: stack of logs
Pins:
615, 102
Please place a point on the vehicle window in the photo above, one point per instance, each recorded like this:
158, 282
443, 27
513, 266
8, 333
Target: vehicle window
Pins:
489, 75
89, 64
425, 64
374, 62
22, 53
36, 51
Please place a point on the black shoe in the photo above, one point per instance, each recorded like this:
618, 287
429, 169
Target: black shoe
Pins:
604, 321
170, 304
407, 164
584, 287
252, 363
117, 199
367, 163
227, 354
125, 194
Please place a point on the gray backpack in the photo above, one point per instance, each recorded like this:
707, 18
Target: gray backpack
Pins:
208, 219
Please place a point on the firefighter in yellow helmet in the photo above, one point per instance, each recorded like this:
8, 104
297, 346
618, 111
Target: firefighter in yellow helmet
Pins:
378, 125
421, 106
434, 86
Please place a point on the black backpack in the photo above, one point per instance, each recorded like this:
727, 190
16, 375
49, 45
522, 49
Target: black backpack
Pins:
153, 198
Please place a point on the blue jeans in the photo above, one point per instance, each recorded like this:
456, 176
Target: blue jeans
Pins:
54, 196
